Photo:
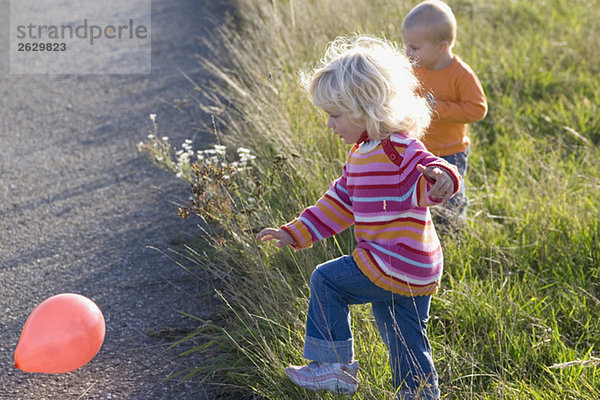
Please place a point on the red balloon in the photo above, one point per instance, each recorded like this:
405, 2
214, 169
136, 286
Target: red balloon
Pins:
63, 333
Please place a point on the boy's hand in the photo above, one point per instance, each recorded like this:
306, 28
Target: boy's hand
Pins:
284, 238
444, 185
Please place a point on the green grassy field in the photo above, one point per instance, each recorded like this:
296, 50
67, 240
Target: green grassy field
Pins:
518, 313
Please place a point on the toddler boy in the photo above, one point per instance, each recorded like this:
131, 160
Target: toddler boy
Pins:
450, 85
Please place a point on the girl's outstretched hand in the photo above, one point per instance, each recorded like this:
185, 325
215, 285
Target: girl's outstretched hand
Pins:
443, 186
283, 238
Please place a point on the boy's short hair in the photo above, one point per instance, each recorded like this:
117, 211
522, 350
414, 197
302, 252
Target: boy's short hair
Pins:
436, 17
373, 81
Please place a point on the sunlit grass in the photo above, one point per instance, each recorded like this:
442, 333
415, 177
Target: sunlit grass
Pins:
518, 313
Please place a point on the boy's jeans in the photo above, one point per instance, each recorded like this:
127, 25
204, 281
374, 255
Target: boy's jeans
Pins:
458, 203
401, 320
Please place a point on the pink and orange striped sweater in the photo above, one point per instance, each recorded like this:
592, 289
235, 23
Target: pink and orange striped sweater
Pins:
398, 248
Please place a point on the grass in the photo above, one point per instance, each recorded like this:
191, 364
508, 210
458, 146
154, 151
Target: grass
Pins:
518, 313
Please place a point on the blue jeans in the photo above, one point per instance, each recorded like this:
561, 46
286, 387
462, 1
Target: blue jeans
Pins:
401, 320
458, 203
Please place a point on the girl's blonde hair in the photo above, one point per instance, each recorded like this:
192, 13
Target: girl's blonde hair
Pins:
372, 80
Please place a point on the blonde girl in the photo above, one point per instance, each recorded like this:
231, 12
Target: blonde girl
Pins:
366, 86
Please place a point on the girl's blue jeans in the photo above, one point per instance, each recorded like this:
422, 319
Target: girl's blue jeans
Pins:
401, 320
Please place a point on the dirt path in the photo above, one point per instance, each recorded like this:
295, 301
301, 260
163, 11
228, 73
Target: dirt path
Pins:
79, 207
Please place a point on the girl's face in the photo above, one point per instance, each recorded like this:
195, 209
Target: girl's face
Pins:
344, 127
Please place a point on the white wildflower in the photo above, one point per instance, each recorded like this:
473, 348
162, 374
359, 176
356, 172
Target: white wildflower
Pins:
165, 138
153, 118
245, 156
220, 149
150, 136
184, 157
244, 159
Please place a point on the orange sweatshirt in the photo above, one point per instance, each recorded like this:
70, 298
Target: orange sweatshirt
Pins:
459, 100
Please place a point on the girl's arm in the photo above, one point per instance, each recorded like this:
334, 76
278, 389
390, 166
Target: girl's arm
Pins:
432, 180
330, 215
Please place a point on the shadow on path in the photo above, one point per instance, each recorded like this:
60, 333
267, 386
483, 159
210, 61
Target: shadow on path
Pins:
80, 209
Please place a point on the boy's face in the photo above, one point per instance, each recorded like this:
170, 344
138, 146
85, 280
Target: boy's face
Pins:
344, 127
426, 53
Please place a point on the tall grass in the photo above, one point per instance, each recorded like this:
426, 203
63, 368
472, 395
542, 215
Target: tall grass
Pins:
518, 313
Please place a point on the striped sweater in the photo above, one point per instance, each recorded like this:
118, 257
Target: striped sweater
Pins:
398, 248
